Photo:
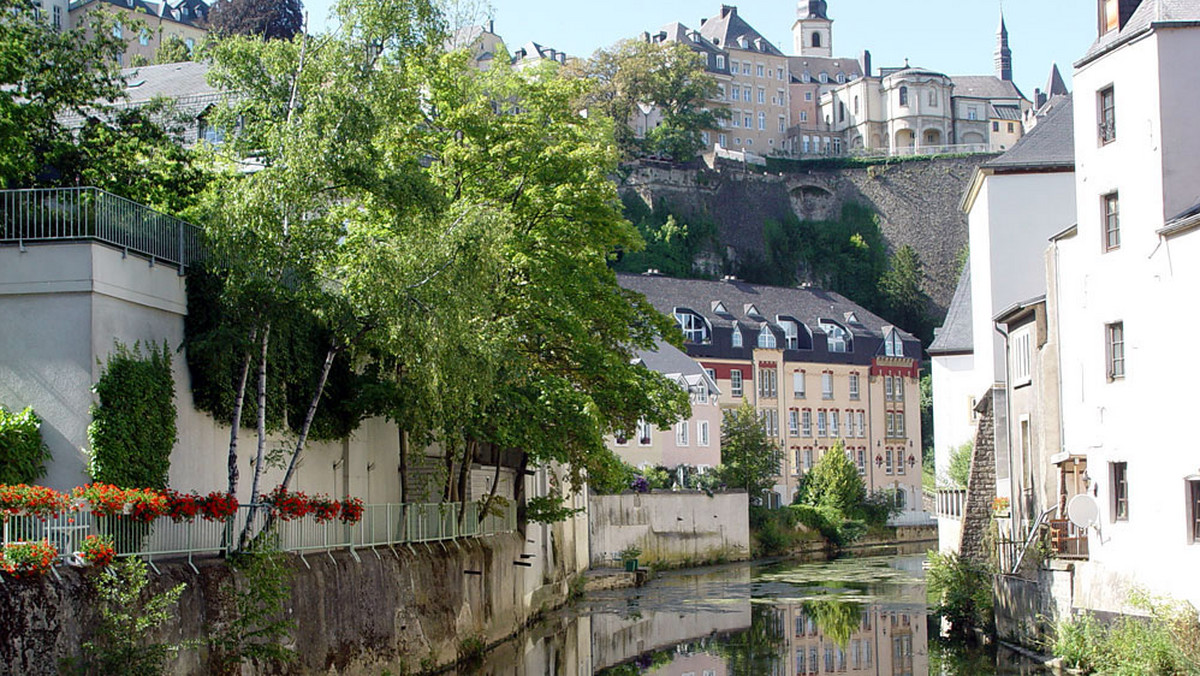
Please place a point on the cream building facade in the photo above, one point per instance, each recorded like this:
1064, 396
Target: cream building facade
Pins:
183, 19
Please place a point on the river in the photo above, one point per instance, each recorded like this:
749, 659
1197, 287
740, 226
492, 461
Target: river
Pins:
849, 616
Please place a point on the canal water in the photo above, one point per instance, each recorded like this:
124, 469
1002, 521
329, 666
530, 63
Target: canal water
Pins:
849, 616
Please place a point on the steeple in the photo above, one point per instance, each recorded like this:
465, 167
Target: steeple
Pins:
812, 34
1003, 54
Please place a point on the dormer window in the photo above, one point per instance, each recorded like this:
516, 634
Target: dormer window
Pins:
852, 318
837, 338
719, 308
790, 339
751, 310
695, 328
736, 339
766, 339
720, 62
806, 77
841, 78
824, 78
893, 346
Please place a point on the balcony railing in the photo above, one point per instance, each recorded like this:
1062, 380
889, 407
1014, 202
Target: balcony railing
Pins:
382, 526
91, 214
951, 502
1068, 541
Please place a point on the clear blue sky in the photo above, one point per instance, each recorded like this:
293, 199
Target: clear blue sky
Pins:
953, 36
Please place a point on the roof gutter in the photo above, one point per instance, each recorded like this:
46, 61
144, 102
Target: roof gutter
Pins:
968, 199
1179, 226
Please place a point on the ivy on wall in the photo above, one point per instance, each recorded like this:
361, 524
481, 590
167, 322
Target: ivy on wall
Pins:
133, 424
23, 454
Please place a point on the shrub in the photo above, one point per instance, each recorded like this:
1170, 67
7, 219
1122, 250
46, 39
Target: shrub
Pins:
23, 454
133, 425
97, 550
1166, 641
127, 616
878, 507
834, 482
258, 627
960, 591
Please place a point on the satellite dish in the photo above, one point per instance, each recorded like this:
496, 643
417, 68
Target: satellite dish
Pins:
1083, 511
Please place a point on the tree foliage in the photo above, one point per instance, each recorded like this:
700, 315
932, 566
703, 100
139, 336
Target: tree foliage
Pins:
834, 482
172, 49
268, 19
23, 454
749, 459
133, 424
129, 613
958, 472
635, 76
901, 290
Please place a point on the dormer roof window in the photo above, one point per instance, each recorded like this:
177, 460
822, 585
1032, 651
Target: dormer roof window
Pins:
837, 338
893, 345
736, 338
852, 318
751, 310
695, 328
719, 308
766, 338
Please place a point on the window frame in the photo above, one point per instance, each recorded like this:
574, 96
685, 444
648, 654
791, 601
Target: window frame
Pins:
702, 434
1114, 349
644, 427
1193, 497
806, 423
793, 423
681, 434
1119, 477
1110, 217
1106, 115
827, 390
737, 384
853, 386
704, 328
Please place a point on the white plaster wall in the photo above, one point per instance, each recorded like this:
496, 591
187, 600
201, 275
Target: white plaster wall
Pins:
954, 386
1150, 285
669, 527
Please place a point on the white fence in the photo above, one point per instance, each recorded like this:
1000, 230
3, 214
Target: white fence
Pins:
381, 526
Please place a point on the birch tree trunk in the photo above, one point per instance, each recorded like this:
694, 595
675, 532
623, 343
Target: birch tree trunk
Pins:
238, 406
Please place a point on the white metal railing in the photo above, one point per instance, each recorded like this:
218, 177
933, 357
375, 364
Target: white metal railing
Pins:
383, 525
75, 214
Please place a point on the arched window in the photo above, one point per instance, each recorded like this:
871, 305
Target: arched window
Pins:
893, 346
737, 337
816, 39
766, 339
695, 328
837, 337
904, 96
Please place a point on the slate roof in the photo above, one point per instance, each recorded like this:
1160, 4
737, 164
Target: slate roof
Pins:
807, 306
1006, 113
1055, 86
1148, 13
675, 364
1050, 144
185, 83
815, 65
984, 87
725, 29
956, 335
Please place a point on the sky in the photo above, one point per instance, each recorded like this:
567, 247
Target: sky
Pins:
956, 37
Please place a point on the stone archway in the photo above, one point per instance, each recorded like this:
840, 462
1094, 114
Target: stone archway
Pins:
931, 137
814, 203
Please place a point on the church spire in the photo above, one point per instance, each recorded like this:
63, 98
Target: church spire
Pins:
1003, 54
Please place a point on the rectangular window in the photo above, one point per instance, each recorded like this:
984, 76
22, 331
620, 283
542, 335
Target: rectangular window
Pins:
762, 95
702, 432
1107, 115
705, 139
833, 423
806, 423
1021, 358
1120, 491
1111, 204
721, 92
770, 420
794, 423
854, 386
762, 119
1011, 129
889, 461
862, 462
643, 433
1194, 509
849, 423
891, 424
827, 386
887, 388
722, 138
782, 124
760, 71
735, 93
862, 424
681, 433
996, 127
1115, 339
821, 427
898, 388
768, 386
735, 382
900, 429
798, 389
735, 67
58, 22
808, 459
747, 121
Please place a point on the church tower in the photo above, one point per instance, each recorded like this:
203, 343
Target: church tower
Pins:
1003, 54
812, 34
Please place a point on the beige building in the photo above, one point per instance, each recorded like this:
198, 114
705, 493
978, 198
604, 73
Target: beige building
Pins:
184, 19
818, 369
757, 90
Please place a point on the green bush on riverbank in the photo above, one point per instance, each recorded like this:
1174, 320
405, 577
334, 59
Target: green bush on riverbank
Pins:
1165, 641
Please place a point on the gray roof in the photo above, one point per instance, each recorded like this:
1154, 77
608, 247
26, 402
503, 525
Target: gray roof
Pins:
675, 364
1148, 14
815, 65
985, 87
1006, 113
808, 306
1050, 144
1055, 86
956, 336
185, 83
726, 29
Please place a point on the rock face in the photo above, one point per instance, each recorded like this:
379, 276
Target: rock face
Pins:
388, 611
917, 203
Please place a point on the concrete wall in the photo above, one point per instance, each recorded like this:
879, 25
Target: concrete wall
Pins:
385, 612
954, 396
670, 528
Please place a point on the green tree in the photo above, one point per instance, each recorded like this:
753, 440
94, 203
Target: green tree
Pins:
133, 430
900, 286
749, 459
959, 469
23, 454
834, 482
171, 49
668, 77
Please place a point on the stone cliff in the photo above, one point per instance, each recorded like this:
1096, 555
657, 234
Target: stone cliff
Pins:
916, 202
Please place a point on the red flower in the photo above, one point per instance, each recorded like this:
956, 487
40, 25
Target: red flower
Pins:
98, 550
28, 559
352, 510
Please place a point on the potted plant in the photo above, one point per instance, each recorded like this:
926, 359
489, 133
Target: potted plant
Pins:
97, 551
629, 556
28, 559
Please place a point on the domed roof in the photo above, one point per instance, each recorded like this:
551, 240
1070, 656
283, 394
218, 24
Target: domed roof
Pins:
817, 9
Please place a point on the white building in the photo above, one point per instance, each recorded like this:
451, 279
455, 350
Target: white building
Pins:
1127, 276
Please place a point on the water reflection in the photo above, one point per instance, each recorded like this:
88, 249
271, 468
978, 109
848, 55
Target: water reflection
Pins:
865, 616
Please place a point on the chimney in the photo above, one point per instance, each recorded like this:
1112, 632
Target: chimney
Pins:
491, 26
866, 63
728, 10
645, 36
703, 21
